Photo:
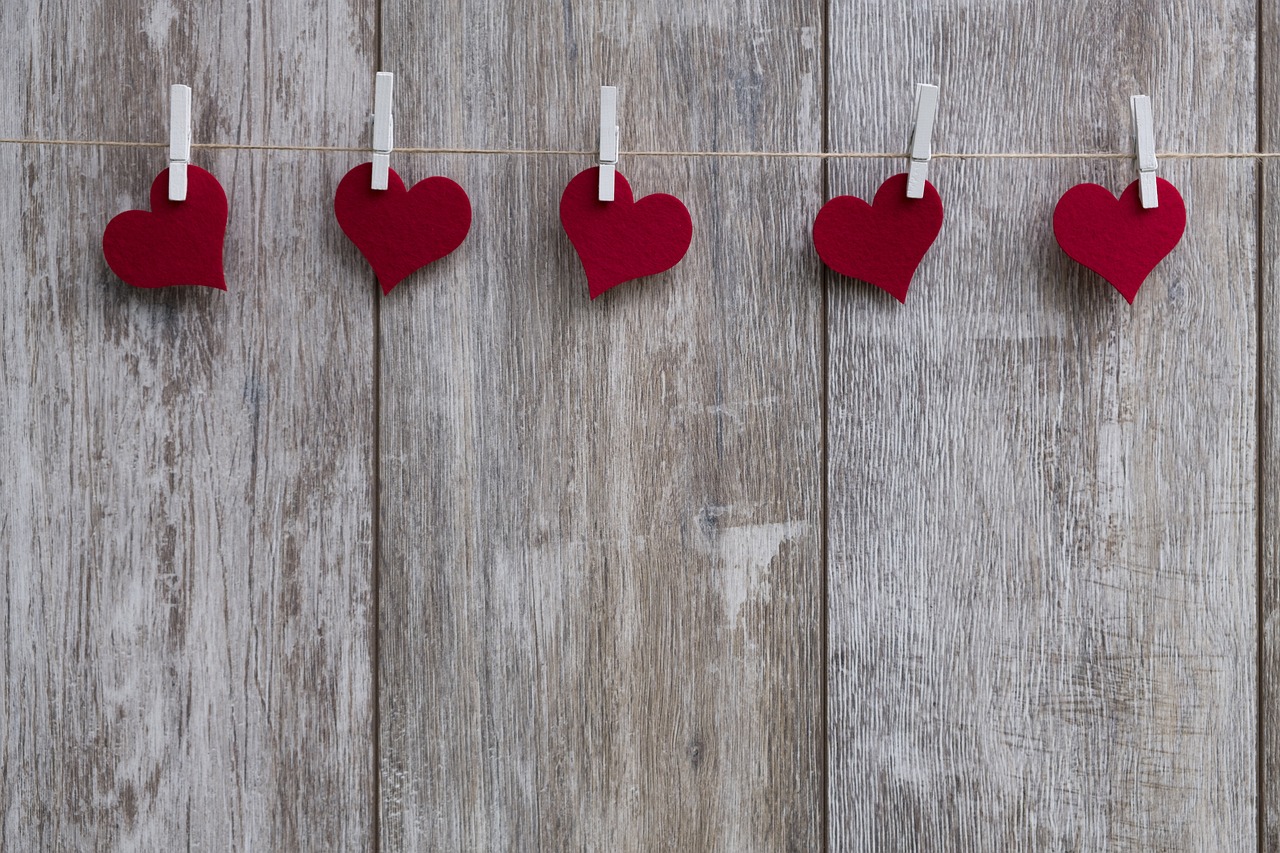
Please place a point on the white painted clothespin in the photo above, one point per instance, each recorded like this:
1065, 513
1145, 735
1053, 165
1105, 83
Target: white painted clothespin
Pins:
383, 128
1144, 136
921, 145
179, 140
608, 140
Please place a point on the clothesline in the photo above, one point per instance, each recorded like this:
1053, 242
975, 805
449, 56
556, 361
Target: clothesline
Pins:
530, 152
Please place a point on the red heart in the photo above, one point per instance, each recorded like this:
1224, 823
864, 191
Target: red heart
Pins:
622, 239
883, 242
1119, 239
177, 242
397, 230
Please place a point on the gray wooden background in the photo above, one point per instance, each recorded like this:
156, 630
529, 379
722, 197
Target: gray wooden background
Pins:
743, 557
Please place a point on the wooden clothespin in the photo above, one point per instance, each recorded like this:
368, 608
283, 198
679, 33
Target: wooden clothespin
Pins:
383, 128
921, 143
1144, 140
179, 140
608, 140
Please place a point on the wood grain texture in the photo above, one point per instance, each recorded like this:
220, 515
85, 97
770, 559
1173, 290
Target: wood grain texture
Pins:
601, 527
601, 521
1042, 540
1268, 387
185, 527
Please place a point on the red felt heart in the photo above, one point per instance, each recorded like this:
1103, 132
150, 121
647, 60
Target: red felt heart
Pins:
1119, 239
397, 230
622, 239
176, 242
883, 242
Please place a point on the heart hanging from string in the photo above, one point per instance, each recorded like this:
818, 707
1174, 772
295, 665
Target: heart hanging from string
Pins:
623, 239
881, 243
397, 230
174, 243
1119, 239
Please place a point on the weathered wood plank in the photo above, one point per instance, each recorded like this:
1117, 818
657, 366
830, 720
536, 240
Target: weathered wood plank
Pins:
185, 528
601, 521
1268, 387
1043, 557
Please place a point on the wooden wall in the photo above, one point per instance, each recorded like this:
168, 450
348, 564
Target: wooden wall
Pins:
746, 556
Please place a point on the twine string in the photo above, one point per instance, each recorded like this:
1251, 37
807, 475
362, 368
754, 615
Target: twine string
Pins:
532, 152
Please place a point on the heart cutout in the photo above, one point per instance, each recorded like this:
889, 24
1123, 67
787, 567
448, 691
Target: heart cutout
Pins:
621, 240
1119, 239
174, 243
397, 230
881, 243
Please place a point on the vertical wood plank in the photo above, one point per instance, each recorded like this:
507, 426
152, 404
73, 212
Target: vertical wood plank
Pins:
1043, 556
1269, 511
185, 529
601, 521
